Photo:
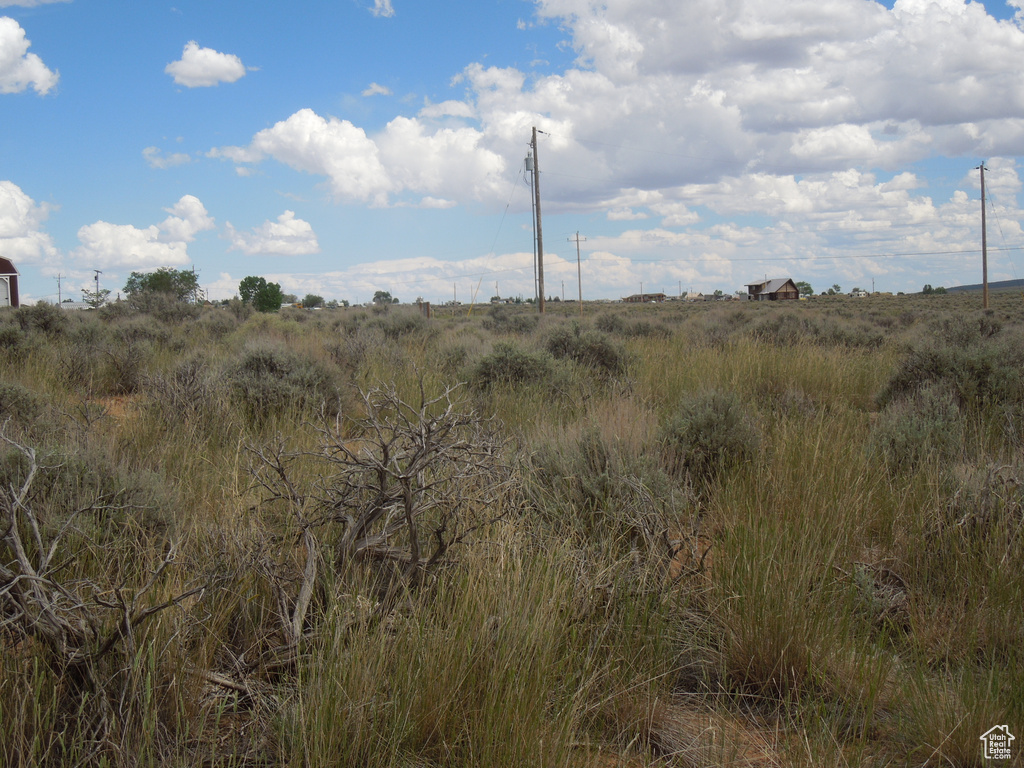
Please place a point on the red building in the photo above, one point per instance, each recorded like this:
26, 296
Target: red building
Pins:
8, 284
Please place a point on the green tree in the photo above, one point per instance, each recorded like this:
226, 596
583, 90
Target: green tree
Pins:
182, 284
312, 300
95, 298
835, 289
264, 296
805, 288
383, 297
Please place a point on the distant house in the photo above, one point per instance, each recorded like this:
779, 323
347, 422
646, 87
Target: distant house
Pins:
644, 298
858, 293
8, 284
691, 296
778, 289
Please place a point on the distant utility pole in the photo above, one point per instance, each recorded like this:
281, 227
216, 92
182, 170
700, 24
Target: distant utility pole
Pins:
60, 298
97, 278
540, 232
579, 271
984, 243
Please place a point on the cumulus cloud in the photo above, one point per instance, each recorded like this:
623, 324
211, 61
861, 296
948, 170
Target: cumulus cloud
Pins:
376, 89
22, 238
382, 8
406, 156
805, 115
201, 67
20, 69
288, 236
165, 244
157, 159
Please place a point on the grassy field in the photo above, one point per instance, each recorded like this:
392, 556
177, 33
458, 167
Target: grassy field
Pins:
736, 534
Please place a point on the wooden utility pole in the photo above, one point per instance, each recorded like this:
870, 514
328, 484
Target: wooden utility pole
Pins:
540, 235
60, 298
984, 243
579, 271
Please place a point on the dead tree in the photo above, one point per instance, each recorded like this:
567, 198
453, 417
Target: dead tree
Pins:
77, 622
401, 485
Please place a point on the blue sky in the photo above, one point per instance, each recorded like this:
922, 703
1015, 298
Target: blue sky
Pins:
345, 146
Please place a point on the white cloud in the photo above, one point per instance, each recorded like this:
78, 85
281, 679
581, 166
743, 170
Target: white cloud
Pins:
157, 159
382, 8
405, 157
288, 236
788, 113
22, 238
449, 108
200, 67
20, 69
376, 89
29, 3
122, 245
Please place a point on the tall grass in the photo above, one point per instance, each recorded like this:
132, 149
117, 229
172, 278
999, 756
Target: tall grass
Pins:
743, 535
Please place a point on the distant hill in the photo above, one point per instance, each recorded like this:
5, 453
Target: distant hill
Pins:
1000, 285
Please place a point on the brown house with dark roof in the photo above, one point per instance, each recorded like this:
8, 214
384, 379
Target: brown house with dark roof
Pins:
8, 284
778, 289
644, 298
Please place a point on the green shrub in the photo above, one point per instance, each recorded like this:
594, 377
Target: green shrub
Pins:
124, 366
787, 329
610, 323
710, 431
18, 403
269, 380
240, 309
187, 391
402, 323
218, 322
923, 425
588, 348
165, 307
142, 328
510, 365
987, 372
43, 316
13, 342
502, 319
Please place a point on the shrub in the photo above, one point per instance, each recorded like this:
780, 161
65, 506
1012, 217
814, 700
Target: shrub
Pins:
401, 323
218, 322
710, 432
240, 309
510, 365
124, 365
268, 380
17, 403
164, 307
925, 424
187, 391
501, 319
610, 323
13, 342
983, 373
588, 348
42, 316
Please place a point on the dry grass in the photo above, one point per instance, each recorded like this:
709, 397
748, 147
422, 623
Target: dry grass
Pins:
838, 587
